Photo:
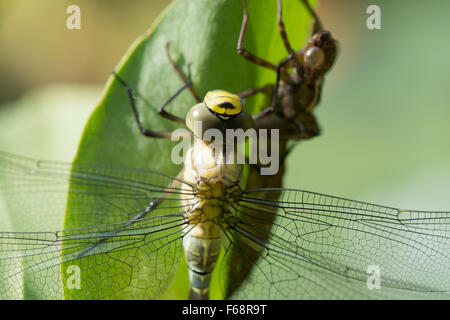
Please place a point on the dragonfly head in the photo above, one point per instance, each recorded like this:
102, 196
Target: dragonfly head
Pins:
219, 110
321, 52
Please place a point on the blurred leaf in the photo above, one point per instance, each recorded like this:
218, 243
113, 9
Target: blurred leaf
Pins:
47, 122
204, 34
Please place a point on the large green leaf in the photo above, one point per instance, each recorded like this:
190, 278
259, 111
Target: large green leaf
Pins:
202, 33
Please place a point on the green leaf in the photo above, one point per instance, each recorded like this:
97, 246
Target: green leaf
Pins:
201, 33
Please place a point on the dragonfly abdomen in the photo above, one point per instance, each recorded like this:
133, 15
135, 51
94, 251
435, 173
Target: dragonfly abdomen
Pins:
201, 257
204, 237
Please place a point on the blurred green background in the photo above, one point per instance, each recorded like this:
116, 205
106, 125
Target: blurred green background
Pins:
384, 112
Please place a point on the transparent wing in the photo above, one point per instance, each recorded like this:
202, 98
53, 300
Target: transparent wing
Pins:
327, 247
126, 243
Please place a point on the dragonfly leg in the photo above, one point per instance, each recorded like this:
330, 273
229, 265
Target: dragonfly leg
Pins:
267, 89
269, 110
282, 28
161, 111
244, 52
187, 80
317, 23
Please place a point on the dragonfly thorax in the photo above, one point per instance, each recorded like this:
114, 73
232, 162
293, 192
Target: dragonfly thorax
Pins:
216, 184
211, 163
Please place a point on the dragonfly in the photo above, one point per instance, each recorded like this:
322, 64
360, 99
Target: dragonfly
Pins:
302, 245
292, 99
296, 92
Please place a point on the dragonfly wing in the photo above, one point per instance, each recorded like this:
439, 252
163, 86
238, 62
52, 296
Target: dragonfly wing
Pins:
113, 240
238, 264
328, 247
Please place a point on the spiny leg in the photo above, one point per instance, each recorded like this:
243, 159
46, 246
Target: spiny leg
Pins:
161, 111
317, 27
181, 74
170, 116
284, 37
243, 52
317, 23
282, 28
271, 108
251, 92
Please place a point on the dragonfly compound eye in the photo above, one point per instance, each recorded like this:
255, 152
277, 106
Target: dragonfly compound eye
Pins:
314, 57
199, 119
